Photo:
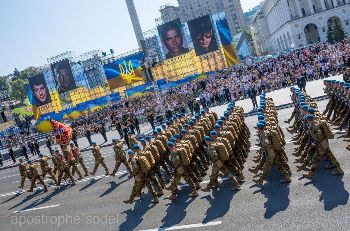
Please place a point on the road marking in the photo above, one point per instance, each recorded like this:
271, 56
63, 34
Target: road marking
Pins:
33, 209
191, 226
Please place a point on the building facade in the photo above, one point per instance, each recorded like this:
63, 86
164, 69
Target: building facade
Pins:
192, 9
288, 24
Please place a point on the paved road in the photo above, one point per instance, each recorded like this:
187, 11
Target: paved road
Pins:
96, 204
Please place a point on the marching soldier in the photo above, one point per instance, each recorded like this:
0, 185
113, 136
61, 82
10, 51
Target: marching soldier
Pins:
140, 168
22, 171
71, 162
120, 157
99, 159
63, 168
78, 159
181, 171
320, 138
46, 168
218, 166
33, 175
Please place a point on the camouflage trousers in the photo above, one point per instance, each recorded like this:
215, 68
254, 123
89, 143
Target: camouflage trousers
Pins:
218, 167
274, 158
80, 160
50, 172
322, 150
142, 180
99, 162
181, 172
33, 182
118, 162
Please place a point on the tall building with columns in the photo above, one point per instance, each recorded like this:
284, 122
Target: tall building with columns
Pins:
285, 24
135, 21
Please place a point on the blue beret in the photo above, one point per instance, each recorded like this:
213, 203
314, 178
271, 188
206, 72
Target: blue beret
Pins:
309, 117
260, 110
213, 133
148, 137
191, 122
260, 125
159, 129
29, 161
129, 132
163, 126
216, 126
114, 140
311, 110
170, 144
220, 122
197, 116
155, 132
172, 139
261, 117
208, 138
305, 107
183, 131
143, 141
94, 143
222, 118
136, 146
186, 126
177, 136
130, 152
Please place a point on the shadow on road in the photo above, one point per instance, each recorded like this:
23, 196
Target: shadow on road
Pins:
47, 198
11, 198
92, 182
112, 187
176, 210
277, 194
220, 202
134, 217
26, 199
333, 192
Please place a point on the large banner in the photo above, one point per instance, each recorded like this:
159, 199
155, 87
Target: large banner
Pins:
227, 43
173, 39
124, 71
41, 95
63, 76
203, 35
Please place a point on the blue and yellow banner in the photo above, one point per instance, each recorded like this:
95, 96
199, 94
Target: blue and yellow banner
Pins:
124, 71
227, 44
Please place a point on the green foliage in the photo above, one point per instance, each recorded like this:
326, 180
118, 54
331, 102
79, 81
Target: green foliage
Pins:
18, 90
335, 32
3, 83
22, 111
25, 74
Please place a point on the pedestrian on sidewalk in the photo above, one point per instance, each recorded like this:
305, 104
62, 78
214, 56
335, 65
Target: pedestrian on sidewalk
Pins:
88, 135
25, 151
11, 153
49, 144
37, 147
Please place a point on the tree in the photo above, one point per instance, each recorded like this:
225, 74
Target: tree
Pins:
3, 83
18, 90
24, 74
335, 32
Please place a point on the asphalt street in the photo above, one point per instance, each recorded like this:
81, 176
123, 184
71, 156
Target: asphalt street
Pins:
97, 203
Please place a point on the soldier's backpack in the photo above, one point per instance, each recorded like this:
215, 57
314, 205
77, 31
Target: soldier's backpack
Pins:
326, 130
184, 157
144, 164
221, 149
149, 157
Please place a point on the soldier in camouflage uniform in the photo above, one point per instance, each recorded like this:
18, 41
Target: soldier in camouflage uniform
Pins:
120, 157
99, 159
318, 133
78, 158
71, 161
141, 179
22, 171
33, 175
63, 168
181, 171
46, 168
218, 166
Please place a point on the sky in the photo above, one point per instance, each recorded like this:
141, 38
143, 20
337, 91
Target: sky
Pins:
33, 30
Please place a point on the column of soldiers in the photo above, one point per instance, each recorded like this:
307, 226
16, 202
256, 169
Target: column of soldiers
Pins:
338, 108
64, 166
312, 135
185, 147
271, 143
